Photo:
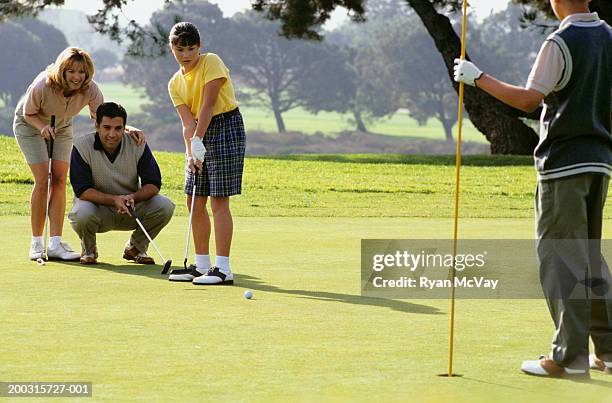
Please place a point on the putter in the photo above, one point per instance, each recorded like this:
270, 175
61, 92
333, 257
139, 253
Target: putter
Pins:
193, 192
45, 255
167, 263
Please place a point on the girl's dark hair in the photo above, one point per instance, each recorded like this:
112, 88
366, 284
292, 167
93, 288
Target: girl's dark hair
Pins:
184, 34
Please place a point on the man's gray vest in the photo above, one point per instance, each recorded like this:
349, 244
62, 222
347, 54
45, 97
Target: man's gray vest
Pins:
119, 177
575, 133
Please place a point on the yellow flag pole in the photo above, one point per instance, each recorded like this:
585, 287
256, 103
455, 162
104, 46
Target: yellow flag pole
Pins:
456, 212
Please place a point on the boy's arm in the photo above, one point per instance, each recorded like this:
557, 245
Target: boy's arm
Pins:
546, 76
525, 99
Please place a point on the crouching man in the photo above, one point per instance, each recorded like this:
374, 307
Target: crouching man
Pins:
108, 172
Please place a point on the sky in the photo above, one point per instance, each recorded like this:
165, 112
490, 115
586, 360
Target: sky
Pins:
142, 10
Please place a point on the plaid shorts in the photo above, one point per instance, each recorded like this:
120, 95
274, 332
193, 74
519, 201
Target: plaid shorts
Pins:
225, 143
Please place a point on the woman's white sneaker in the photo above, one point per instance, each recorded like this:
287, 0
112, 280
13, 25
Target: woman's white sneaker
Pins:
62, 251
37, 250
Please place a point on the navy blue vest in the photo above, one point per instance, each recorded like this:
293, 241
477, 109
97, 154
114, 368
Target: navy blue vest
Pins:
575, 135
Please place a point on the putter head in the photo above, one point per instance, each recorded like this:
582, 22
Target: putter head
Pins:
167, 266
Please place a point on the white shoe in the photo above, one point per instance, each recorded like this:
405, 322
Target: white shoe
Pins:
37, 250
215, 276
63, 251
185, 275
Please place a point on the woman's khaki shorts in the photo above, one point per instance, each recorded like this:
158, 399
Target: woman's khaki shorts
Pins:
33, 146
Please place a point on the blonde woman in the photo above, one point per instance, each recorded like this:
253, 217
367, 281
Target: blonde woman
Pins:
63, 90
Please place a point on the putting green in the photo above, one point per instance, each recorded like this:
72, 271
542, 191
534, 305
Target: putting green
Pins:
307, 334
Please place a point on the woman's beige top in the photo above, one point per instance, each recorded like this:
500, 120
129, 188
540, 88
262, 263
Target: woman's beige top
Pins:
44, 101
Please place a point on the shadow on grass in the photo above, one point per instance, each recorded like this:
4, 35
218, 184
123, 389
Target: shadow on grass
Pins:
254, 283
591, 381
449, 160
135, 269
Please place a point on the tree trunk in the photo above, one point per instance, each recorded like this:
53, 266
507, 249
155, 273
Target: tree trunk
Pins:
448, 129
280, 123
361, 127
499, 122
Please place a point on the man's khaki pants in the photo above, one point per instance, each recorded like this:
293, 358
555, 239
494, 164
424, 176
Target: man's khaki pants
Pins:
88, 219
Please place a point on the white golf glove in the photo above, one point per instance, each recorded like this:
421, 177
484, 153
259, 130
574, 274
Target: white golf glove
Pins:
197, 149
466, 72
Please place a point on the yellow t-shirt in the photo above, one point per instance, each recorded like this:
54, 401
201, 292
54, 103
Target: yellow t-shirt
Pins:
187, 89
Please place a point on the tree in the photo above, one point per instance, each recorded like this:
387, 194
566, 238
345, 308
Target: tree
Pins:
413, 72
421, 80
27, 47
345, 80
396, 48
104, 58
504, 48
274, 68
498, 122
537, 8
335, 85
52, 39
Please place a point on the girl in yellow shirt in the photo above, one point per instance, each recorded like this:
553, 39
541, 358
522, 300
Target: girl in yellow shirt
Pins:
213, 130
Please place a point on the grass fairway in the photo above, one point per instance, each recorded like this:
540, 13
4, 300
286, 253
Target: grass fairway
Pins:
307, 334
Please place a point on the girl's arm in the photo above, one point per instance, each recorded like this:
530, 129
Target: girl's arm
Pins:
189, 126
210, 93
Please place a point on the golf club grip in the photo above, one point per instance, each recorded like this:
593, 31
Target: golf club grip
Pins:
50, 142
131, 210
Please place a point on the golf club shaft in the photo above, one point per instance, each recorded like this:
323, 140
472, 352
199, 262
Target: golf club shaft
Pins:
149, 238
456, 210
50, 155
193, 193
47, 212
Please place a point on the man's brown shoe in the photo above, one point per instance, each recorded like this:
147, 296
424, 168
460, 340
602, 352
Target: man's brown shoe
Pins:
596, 363
89, 258
131, 253
547, 367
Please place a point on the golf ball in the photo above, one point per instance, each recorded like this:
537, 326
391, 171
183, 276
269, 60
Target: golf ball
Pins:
40, 262
248, 294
